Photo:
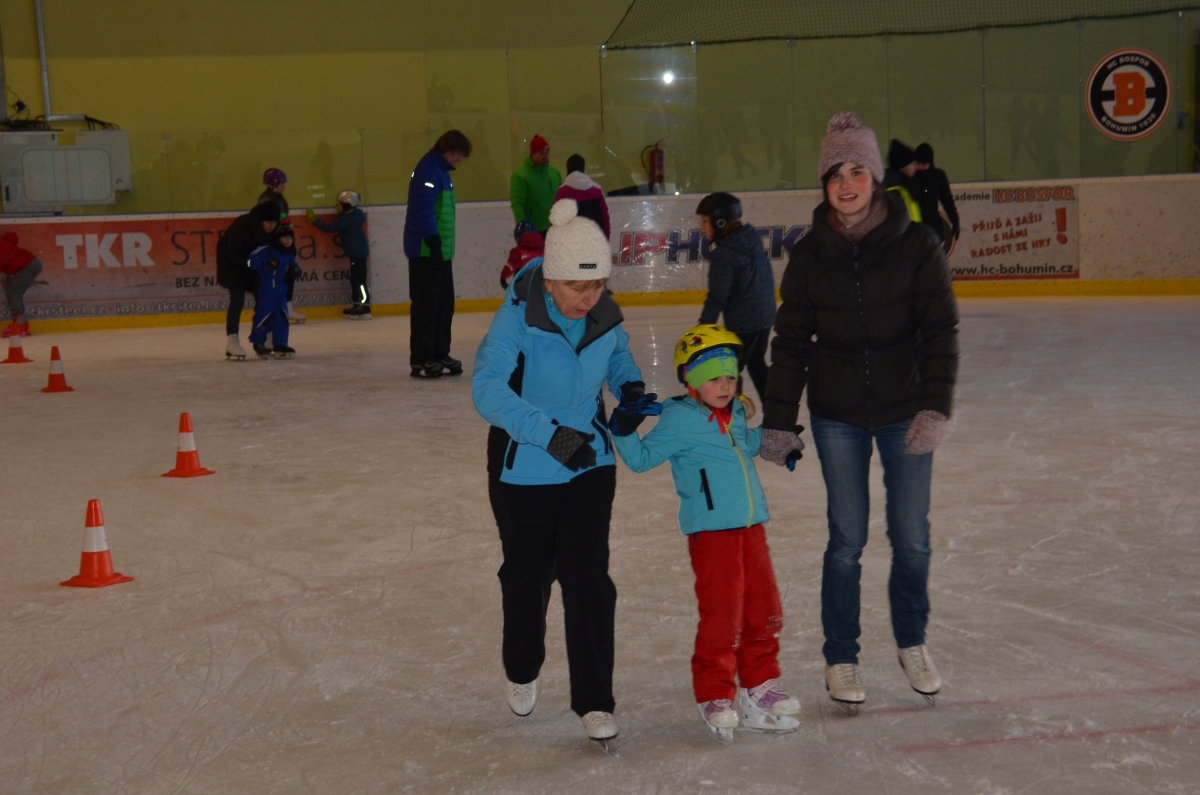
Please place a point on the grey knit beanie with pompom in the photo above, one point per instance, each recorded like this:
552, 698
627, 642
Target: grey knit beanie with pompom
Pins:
848, 140
576, 248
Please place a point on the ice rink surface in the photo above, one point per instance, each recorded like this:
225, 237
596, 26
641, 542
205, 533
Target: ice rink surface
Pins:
322, 615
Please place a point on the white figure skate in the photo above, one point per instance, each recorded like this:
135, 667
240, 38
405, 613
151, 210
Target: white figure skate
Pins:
922, 675
721, 719
233, 350
768, 708
844, 686
601, 727
522, 698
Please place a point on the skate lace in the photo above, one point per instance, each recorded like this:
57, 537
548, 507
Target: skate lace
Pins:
596, 718
768, 694
847, 674
713, 707
915, 660
522, 691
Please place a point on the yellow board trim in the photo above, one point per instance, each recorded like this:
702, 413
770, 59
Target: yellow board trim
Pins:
1045, 288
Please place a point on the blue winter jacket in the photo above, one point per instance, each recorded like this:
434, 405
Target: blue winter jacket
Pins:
430, 206
350, 227
714, 472
528, 381
272, 266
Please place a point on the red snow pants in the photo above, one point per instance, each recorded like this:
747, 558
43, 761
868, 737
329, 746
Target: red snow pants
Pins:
740, 613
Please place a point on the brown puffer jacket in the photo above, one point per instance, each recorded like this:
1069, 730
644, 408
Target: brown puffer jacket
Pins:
870, 329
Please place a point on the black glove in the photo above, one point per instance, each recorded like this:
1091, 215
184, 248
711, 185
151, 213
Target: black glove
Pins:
634, 408
573, 449
434, 242
503, 282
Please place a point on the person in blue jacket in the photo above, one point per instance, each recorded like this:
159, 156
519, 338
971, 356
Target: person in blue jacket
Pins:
429, 246
349, 225
721, 511
273, 264
539, 374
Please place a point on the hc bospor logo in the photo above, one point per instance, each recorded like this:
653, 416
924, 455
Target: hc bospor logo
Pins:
1128, 94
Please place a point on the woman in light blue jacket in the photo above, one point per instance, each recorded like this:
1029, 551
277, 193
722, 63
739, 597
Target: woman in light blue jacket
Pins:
539, 374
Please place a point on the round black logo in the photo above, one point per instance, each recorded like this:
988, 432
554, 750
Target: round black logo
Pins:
1128, 94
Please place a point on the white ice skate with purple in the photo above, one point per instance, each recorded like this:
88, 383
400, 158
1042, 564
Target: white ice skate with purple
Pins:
768, 708
721, 719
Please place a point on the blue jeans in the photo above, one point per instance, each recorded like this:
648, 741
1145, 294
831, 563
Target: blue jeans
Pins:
845, 453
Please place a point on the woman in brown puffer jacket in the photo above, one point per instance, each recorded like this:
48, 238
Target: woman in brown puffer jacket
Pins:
869, 325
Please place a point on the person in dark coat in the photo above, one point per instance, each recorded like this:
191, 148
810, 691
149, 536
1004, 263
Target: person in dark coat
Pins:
741, 284
246, 234
868, 325
936, 190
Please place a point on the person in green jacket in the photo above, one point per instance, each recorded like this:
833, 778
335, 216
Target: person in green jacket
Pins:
532, 189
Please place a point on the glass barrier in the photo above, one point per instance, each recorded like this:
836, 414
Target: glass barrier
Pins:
1005, 104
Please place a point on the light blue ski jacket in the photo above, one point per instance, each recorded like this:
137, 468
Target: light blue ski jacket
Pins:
528, 381
714, 472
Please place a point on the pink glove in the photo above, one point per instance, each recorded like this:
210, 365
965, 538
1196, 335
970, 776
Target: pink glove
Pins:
924, 433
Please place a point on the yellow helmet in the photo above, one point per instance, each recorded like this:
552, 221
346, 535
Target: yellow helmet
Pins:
699, 339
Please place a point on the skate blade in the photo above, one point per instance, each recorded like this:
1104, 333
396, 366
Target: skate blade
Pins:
605, 743
849, 707
930, 698
282, 355
723, 736
296, 321
772, 724
233, 357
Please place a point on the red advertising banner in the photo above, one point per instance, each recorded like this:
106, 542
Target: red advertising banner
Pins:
157, 264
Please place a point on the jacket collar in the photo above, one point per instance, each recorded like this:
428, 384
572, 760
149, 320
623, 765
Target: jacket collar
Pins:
579, 181
441, 160
892, 227
604, 317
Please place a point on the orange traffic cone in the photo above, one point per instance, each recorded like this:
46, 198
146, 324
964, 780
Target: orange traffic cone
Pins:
187, 459
16, 353
95, 568
58, 380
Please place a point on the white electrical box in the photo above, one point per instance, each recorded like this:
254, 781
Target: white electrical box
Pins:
39, 175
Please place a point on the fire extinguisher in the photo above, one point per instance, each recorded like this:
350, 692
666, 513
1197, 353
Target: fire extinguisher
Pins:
652, 161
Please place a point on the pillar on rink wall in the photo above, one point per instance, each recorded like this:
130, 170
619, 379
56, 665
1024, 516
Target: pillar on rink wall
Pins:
1102, 236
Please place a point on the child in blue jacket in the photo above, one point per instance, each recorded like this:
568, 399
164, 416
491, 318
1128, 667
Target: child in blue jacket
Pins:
272, 264
349, 224
721, 511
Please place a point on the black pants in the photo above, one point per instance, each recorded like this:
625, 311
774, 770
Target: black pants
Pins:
754, 359
431, 290
233, 317
563, 530
358, 281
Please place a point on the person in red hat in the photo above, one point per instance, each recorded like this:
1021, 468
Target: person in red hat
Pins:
19, 268
532, 190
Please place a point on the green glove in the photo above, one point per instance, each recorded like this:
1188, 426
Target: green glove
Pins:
312, 216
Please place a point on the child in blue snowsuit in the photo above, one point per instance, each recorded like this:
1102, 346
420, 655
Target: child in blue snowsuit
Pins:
272, 264
721, 512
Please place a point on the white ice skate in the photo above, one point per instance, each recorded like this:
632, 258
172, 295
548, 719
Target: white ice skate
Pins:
293, 315
522, 698
601, 727
233, 350
721, 719
922, 675
768, 708
844, 686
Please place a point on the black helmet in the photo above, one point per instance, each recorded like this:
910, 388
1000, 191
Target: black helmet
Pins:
721, 208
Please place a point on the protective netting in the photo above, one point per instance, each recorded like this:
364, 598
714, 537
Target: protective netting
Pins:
650, 23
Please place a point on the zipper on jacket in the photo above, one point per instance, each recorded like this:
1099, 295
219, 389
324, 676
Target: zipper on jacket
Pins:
704, 488
512, 454
745, 475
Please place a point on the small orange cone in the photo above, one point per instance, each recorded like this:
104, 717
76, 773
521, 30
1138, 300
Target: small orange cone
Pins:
95, 568
16, 352
58, 380
187, 459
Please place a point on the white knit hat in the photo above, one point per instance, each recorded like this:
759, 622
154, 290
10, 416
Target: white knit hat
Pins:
576, 248
848, 140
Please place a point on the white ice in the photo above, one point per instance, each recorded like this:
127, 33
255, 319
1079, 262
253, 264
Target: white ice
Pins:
322, 615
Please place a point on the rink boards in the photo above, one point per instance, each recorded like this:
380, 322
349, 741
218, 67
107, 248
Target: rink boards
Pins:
1097, 236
